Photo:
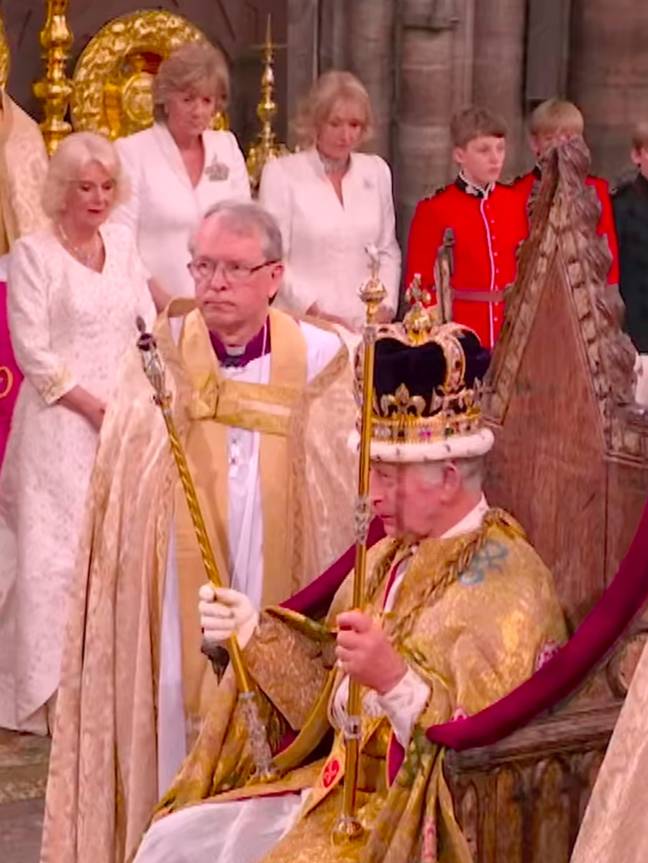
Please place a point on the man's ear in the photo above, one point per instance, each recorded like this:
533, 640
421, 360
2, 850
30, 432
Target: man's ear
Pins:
451, 481
459, 156
276, 275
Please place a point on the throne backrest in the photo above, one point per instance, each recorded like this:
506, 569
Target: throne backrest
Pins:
571, 455
113, 77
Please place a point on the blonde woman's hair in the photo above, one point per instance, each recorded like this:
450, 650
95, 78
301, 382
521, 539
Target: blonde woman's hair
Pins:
195, 66
73, 154
331, 87
556, 117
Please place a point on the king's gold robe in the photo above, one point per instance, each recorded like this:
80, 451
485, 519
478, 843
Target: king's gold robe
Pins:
474, 616
103, 770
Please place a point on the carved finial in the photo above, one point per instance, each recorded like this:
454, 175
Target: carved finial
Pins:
266, 145
373, 292
54, 88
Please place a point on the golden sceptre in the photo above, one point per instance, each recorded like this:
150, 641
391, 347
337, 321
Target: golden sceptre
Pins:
372, 293
154, 370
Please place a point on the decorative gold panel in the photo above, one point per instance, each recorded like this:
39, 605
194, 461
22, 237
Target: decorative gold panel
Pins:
4, 55
113, 76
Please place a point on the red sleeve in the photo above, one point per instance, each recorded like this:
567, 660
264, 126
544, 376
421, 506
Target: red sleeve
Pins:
425, 237
606, 228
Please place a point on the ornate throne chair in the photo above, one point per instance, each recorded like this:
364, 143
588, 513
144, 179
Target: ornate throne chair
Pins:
571, 463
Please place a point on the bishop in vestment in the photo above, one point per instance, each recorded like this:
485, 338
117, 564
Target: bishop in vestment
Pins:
264, 407
459, 611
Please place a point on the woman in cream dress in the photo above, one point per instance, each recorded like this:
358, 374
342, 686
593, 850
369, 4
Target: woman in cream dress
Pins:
75, 290
179, 168
331, 203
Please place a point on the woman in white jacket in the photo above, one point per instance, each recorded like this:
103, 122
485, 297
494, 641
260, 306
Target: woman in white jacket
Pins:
180, 167
331, 202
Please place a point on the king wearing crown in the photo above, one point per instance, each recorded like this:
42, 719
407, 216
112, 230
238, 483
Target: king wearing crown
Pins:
458, 611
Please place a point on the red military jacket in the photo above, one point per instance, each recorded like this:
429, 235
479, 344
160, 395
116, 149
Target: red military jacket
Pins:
526, 185
488, 228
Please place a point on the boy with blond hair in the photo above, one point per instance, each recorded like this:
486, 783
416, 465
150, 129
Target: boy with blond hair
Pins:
551, 122
488, 220
630, 203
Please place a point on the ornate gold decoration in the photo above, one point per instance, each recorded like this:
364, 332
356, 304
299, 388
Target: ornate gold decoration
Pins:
5, 55
402, 405
266, 145
55, 87
114, 74
421, 319
449, 409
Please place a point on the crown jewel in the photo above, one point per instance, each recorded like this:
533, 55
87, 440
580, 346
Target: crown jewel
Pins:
427, 380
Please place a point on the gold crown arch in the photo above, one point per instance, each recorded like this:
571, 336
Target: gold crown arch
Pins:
113, 78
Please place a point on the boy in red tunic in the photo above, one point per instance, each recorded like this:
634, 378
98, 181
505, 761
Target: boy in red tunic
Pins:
488, 220
550, 121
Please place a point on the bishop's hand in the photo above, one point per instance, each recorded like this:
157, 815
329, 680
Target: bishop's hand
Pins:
224, 613
366, 654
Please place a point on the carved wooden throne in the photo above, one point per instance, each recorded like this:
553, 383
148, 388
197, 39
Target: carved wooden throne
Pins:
571, 463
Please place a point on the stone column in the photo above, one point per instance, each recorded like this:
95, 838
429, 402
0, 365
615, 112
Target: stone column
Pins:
371, 57
608, 75
498, 81
302, 53
434, 80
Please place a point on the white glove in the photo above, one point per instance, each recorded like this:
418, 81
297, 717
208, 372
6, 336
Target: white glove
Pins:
225, 612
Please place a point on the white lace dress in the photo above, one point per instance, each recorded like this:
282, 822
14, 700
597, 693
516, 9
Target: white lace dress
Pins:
69, 325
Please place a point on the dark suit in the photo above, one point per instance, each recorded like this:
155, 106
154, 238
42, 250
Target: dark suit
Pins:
630, 203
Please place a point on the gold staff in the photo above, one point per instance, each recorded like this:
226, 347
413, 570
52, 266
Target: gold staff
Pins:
154, 370
372, 293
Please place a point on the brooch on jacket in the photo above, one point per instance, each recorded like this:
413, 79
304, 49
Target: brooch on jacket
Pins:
217, 170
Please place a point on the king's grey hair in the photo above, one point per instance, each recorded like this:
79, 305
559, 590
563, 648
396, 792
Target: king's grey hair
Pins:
248, 218
470, 469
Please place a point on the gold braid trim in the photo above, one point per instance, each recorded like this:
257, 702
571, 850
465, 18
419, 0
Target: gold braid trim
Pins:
456, 565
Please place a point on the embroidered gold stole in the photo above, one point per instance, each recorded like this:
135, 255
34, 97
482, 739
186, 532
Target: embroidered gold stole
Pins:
216, 404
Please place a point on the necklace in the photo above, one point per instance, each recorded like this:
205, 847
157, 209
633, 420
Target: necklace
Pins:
89, 258
334, 166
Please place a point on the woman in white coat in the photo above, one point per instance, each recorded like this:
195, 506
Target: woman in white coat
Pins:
331, 202
74, 292
180, 167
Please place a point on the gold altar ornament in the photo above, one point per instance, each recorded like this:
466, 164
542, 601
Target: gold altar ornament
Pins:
114, 74
5, 55
54, 88
266, 145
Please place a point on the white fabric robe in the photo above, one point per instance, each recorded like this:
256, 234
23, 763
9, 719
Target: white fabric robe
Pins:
69, 325
246, 549
324, 241
243, 831
164, 208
